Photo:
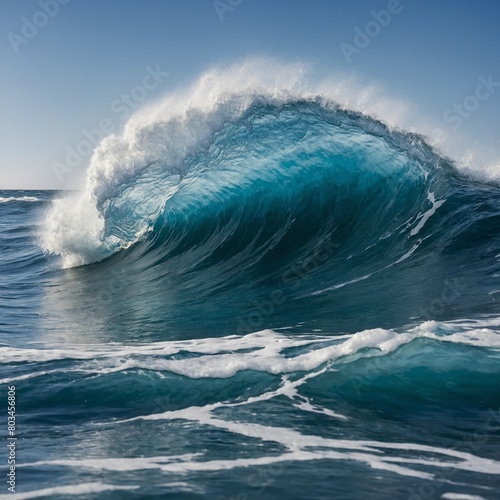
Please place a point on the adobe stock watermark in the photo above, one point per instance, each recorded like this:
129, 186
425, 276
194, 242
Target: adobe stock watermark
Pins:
121, 107
459, 112
11, 439
364, 36
265, 308
451, 292
223, 6
31, 27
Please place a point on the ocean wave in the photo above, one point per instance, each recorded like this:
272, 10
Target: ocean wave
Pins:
249, 188
227, 149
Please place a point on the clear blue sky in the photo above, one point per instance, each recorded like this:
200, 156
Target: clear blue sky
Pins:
66, 76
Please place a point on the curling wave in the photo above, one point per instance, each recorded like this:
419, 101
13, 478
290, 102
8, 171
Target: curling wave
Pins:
234, 185
226, 159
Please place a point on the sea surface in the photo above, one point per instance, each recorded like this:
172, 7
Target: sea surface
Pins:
260, 298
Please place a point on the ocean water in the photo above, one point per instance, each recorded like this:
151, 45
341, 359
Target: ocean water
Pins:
266, 296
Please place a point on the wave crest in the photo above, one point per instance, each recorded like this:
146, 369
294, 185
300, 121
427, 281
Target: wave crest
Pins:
237, 142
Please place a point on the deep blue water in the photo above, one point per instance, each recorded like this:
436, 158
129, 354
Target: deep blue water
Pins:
305, 306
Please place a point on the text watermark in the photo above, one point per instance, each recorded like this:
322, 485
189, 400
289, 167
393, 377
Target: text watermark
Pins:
11, 439
31, 27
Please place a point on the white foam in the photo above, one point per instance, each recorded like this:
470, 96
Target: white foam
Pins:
342, 285
18, 198
269, 340
9, 380
461, 496
72, 489
265, 351
73, 229
219, 357
427, 215
117, 464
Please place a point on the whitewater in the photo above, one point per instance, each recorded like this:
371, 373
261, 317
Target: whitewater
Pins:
270, 286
